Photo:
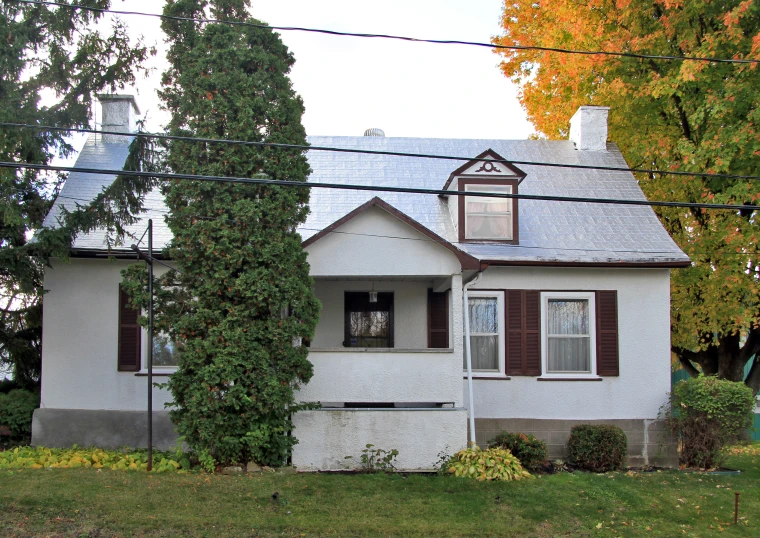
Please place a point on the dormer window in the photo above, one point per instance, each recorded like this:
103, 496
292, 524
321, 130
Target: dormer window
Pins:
488, 218
485, 218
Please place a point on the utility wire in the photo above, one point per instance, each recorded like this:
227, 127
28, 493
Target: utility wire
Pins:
164, 212
375, 188
305, 147
399, 38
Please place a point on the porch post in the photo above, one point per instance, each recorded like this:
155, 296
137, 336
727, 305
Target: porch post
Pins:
457, 325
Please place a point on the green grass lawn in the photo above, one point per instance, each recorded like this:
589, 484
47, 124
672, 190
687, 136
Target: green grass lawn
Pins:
88, 502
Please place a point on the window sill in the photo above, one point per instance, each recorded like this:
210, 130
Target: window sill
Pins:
490, 241
569, 378
378, 350
499, 377
162, 373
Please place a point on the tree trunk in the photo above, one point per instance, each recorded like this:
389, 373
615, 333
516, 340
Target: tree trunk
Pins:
726, 358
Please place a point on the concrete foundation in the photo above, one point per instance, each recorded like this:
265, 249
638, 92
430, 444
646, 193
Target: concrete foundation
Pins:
648, 442
327, 436
61, 428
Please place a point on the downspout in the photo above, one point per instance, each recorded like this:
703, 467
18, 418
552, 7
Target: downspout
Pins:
468, 353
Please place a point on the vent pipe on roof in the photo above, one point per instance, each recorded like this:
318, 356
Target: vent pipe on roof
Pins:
119, 112
588, 128
374, 131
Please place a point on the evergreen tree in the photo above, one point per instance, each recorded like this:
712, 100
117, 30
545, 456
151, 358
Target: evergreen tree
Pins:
241, 299
48, 51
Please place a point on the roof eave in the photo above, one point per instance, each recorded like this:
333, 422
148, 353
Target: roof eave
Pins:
662, 264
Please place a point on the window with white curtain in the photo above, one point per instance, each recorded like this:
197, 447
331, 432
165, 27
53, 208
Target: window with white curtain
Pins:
485, 217
486, 314
568, 333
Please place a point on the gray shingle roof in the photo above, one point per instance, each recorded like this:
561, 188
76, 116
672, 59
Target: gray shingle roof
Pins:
549, 231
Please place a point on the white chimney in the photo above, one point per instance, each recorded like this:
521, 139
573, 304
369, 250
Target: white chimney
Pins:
588, 128
119, 112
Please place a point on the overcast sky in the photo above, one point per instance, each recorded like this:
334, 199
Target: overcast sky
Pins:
350, 84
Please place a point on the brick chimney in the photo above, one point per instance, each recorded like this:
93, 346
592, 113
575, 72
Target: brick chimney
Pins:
119, 112
588, 128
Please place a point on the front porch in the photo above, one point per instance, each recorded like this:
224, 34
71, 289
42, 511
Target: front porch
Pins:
377, 375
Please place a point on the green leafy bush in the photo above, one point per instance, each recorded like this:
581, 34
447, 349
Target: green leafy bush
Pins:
706, 414
530, 451
490, 464
597, 448
16, 409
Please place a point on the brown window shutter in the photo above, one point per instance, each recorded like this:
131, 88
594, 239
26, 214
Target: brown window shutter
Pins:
607, 363
532, 349
129, 335
523, 326
438, 320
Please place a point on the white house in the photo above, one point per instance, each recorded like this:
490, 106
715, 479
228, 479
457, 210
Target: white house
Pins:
568, 303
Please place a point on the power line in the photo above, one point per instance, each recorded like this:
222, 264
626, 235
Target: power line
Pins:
375, 188
400, 38
377, 152
164, 211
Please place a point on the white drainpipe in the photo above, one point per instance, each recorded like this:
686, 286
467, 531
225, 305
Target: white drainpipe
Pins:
468, 354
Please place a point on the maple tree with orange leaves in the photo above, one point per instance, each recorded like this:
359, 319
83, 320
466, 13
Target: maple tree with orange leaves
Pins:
667, 115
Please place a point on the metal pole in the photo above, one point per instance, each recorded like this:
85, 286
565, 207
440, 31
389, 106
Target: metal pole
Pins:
736, 507
150, 344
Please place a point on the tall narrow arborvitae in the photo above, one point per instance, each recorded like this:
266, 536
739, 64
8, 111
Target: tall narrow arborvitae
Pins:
241, 300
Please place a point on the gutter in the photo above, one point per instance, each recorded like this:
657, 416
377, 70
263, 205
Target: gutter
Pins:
468, 353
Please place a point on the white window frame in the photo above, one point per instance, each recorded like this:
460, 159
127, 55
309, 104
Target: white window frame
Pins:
499, 296
590, 296
144, 357
478, 187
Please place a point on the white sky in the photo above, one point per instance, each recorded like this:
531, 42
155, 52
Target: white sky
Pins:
350, 84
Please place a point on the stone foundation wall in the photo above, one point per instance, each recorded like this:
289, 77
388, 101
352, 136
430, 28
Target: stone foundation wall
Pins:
61, 428
648, 442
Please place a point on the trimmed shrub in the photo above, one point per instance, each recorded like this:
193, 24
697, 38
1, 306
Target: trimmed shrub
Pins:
530, 451
597, 447
491, 464
16, 410
707, 413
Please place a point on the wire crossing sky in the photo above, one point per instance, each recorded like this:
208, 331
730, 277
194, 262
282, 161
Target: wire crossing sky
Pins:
403, 38
377, 152
374, 188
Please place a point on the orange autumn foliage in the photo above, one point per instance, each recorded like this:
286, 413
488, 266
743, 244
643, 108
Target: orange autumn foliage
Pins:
666, 115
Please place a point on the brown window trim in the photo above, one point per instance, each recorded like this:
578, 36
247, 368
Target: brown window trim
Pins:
477, 180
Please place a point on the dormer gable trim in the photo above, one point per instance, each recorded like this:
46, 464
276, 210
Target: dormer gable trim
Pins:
478, 168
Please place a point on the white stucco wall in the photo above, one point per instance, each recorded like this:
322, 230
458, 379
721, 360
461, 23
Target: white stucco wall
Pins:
326, 437
80, 338
390, 376
344, 254
644, 350
409, 311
